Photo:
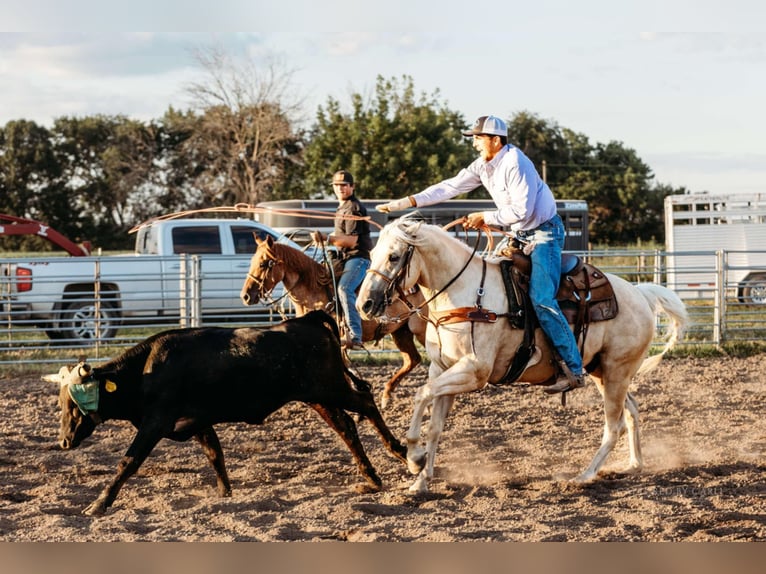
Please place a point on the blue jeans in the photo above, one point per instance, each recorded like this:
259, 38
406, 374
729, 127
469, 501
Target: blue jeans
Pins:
350, 280
543, 284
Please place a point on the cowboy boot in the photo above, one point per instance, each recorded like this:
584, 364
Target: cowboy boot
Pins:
566, 381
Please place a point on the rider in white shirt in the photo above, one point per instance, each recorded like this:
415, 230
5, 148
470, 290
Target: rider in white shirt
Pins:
526, 204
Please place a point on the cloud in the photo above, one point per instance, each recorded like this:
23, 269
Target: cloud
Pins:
99, 54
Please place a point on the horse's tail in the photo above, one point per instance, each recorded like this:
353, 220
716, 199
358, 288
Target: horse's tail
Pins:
663, 300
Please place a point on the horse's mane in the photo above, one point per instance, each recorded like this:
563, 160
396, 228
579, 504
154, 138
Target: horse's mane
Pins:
417, 232
310, 271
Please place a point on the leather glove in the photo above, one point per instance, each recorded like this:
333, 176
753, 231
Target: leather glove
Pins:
475, 220
397, 205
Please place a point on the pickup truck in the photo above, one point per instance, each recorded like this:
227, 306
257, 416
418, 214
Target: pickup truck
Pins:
181, 269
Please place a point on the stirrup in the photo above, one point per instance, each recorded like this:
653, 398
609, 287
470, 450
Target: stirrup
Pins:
565, 384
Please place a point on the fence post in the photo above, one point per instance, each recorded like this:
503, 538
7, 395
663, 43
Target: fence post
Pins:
719, 308
196, 291
97, 302
658, 267
6, 297
183, 292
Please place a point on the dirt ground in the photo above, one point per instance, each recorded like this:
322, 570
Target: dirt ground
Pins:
500, 473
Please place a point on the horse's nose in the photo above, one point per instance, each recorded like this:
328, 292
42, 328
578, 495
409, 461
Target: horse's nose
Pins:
367, 306
245, 298
64, 443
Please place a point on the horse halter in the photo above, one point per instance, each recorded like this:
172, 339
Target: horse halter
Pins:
393, 282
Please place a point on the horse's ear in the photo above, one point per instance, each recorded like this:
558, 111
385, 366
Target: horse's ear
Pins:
268, 240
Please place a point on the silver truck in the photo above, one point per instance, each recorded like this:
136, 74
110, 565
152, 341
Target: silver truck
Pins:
180, 268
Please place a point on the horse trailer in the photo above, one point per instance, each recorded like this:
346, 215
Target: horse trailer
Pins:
296, 218
700, 228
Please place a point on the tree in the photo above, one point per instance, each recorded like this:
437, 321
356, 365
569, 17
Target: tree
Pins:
108, 161
624, 205
396, 144
242, 141
30, 179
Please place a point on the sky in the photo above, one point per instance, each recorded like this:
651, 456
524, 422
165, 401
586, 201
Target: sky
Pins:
690, 103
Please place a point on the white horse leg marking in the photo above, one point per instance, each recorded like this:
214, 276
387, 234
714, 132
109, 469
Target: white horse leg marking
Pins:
440, 410
440, 393
614, 393
415, 453
634, 441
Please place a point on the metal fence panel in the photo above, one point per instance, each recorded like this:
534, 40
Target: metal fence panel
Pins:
99, 322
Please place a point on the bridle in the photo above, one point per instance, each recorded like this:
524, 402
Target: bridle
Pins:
268, 265
400, 271
393, 282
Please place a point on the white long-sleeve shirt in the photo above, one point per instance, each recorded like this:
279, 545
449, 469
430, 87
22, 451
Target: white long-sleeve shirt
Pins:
523, 199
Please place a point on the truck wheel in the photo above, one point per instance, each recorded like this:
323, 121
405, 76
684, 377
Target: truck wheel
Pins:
78, 321
754, 291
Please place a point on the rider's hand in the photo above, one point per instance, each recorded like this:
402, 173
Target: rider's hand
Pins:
474, 220
397, 205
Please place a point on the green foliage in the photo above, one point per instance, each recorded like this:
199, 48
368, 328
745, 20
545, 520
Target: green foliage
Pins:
624, 205
395, 145
30, 178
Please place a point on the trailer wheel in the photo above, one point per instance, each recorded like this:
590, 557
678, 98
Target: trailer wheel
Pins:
754, 289
78, 321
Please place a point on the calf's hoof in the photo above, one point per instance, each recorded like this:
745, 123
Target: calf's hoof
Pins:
95, 509
367, 488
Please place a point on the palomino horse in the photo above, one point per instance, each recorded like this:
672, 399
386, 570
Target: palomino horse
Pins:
466, 355
309, 285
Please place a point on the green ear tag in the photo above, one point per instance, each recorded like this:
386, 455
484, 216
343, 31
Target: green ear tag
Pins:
110, 386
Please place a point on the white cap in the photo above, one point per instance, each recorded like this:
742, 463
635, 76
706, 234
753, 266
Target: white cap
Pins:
489, 125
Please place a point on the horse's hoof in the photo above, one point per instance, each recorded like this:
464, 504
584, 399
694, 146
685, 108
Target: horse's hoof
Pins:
584, 478
631, 470
384, 400
420, 486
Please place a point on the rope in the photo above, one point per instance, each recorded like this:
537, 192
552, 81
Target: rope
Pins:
247, 208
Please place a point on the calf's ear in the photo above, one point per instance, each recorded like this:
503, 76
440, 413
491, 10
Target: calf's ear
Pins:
58, 378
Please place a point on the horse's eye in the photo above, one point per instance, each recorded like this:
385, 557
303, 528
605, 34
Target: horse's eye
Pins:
394, 257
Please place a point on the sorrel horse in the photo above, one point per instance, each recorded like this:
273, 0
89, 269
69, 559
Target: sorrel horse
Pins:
309, 285
466, 355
